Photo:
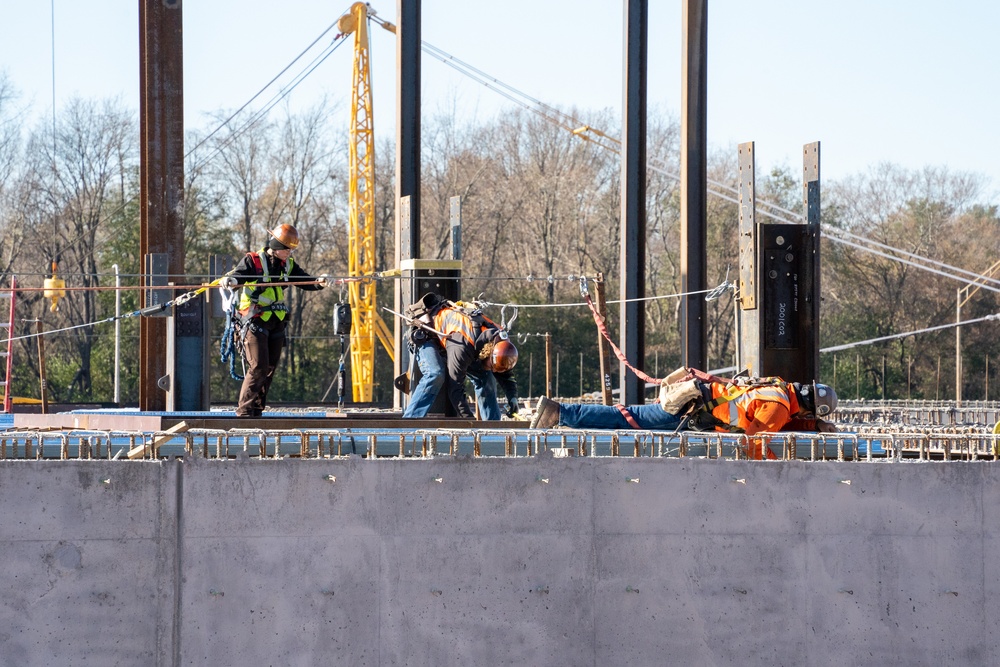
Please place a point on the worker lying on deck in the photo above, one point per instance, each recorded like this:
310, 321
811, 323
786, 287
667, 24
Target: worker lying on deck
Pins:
749, 407
450, 343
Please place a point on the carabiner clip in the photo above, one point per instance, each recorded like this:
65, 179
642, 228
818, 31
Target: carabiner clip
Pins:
503, 316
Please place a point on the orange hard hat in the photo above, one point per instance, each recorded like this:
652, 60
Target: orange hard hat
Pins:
286, 235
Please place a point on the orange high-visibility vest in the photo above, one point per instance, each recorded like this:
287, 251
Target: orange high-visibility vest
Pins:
449, 321
737, 414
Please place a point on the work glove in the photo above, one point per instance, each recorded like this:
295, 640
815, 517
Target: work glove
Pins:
323, 280
228, 282
513, 407
824, 426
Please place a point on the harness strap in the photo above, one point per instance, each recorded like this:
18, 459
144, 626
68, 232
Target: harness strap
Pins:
725, 398
621, 355
256, 262
628, 416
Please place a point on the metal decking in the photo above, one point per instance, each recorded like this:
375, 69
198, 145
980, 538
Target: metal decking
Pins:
868, 431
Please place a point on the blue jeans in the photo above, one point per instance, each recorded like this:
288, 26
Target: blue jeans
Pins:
485, 386
589, 415
432, 376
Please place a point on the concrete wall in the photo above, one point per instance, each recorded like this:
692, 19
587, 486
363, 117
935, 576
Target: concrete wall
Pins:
498, 562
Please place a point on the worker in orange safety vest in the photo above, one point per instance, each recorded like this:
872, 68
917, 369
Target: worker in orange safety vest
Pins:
760, 406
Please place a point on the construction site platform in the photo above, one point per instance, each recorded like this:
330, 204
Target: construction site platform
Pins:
866, 431
154, 421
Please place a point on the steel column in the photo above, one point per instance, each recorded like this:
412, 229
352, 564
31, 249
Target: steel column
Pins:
694, 187
632, 311
408, 36
748, 341
408, 116
161, 120
811, 199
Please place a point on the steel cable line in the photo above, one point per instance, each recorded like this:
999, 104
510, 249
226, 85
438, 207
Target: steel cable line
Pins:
269, 83
950, 325
266, 109
774, 211
771, 210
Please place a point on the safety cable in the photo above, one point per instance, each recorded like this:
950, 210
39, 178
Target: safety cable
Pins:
776, 212
148, 310
602, 327
269, 83
144, 288
847, 346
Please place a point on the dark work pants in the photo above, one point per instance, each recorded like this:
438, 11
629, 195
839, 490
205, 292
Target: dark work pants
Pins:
261, 349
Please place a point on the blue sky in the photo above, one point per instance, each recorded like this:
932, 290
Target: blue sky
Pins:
909, 82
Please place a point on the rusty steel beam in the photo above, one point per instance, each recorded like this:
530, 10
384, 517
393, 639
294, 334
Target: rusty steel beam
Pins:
161, 126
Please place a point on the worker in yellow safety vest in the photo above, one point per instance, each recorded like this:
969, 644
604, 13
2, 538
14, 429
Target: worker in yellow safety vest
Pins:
263, 313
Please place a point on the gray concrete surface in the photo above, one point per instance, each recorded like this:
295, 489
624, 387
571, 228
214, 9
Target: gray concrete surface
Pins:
606, 561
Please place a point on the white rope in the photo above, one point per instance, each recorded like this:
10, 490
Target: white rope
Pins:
584, 303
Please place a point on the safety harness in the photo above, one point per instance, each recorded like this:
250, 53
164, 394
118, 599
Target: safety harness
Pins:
263, 302
698, 415
251, 300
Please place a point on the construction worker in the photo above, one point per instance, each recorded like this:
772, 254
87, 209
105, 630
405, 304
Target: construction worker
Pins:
733, 408
262, 311
455, 344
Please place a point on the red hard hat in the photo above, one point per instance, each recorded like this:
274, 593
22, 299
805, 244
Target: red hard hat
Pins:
503, 357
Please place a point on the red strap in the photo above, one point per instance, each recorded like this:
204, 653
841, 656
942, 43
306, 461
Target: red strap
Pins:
628, 416
621, 356
256, 262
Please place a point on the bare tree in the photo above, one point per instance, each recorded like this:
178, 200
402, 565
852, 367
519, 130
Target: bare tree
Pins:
238, 159
929, 213
12, 196
79, 179
300, 192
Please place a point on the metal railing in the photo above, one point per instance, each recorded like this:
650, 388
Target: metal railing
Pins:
872, 442
919, 413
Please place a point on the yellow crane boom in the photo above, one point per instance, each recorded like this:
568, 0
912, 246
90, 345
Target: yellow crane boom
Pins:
366, 323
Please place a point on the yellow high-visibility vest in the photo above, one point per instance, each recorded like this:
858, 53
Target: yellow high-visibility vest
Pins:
270, 300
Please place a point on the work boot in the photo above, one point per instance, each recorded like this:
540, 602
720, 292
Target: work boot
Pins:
546, 414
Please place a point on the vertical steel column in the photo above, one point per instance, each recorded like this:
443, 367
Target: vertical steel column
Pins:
632, 311
408, 36
455, 206
161, 120
811, 199
694, 186
747, 310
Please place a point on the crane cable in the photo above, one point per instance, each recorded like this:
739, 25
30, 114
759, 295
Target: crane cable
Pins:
583, 131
